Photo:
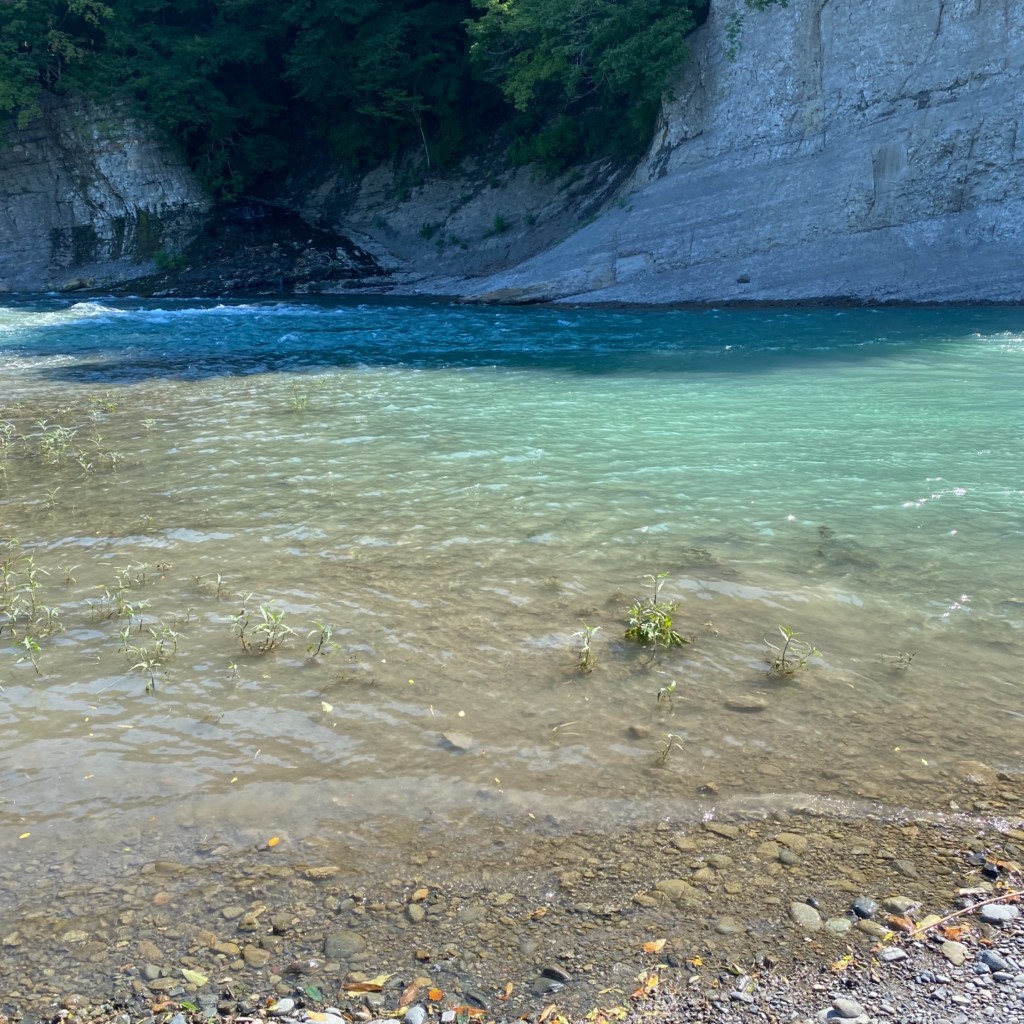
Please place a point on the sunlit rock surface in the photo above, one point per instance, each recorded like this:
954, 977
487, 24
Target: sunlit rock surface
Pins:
847, 150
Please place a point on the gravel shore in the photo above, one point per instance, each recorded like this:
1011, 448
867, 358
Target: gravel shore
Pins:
797, 918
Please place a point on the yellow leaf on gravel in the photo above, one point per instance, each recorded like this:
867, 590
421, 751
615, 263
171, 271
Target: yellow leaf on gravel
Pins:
194, 977
842, 963
273, 841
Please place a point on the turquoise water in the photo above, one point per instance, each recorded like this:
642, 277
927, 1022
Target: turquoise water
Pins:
456, 492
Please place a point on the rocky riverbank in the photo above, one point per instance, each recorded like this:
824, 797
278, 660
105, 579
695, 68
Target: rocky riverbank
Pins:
797, 918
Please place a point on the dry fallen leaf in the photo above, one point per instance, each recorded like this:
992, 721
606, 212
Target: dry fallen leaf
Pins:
409, 994
653, 947
545, 1013
900, 924
507, 991
435, 995
273, 841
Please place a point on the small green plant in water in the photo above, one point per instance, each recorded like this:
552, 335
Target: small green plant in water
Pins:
32, 652
671, 742
650, 618
262, 631
319, 639
792, 655
586, 659
668, 693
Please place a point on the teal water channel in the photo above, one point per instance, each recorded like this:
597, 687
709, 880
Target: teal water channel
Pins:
455, 493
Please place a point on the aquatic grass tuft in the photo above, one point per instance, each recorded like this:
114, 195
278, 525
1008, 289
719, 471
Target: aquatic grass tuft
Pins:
792, 656
586, 660
650, 618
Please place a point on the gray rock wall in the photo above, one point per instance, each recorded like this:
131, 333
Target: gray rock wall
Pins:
862, 149
88, 199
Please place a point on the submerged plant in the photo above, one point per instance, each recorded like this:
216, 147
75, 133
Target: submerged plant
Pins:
586, 660
792, 655
899, 662
650, 618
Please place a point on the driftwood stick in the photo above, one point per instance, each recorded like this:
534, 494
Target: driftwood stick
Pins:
966, 910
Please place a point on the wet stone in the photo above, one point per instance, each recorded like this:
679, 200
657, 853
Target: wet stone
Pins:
793, 841
838, 925
343, 943
415, 913
148, 950
748, 705
256, 957
721, 829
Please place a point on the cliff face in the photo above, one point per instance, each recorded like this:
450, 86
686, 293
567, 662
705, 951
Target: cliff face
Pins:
833, 149
872, 151
89, 199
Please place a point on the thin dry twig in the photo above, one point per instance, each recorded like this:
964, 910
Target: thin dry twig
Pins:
966, 910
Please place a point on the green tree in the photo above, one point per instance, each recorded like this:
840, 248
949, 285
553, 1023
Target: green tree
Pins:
41, 43
383, 74
208, 73
590, 74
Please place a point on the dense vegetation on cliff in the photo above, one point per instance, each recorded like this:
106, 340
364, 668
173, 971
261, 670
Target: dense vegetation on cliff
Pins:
242, 85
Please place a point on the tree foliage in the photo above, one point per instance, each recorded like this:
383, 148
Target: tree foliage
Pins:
243, 85
591, 73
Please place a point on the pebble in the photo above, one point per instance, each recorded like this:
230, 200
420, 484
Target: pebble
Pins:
256, 957
343, 943
676, 889
728, 926
898, 904
721, 829
281, 1007
415, 913
892, 954
805, 917
993, 961
848, 1009
954, 952
864, 907
748, 704
415, 1015
838, 925
998, 913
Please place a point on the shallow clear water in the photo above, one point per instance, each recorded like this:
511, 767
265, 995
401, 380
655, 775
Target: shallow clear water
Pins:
456, 491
